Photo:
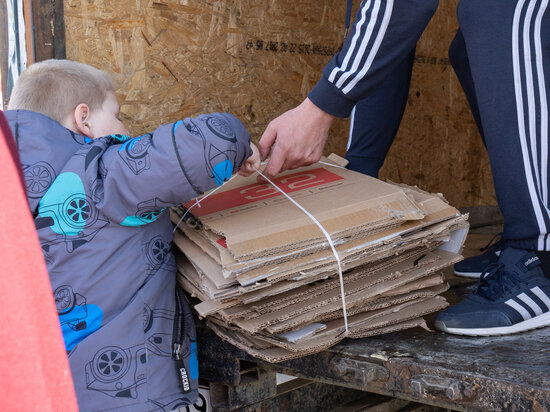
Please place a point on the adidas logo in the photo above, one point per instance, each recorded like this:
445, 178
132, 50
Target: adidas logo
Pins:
531, 260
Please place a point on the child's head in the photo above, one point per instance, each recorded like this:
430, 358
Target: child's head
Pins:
80, 97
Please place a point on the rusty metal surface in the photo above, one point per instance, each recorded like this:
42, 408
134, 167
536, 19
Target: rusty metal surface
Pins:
491, 374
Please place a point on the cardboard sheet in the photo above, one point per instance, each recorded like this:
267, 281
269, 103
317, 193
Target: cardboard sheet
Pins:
238, 211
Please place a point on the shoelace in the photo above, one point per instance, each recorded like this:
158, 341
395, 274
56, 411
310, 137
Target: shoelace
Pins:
495, 282
492, 244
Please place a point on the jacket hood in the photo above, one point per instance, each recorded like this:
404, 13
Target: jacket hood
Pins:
36, 133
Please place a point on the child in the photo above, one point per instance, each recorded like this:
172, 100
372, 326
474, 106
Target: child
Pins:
99, 200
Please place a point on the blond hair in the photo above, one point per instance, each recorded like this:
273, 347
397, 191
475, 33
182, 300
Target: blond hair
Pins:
56, 87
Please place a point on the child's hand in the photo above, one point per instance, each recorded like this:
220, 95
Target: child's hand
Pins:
253, 162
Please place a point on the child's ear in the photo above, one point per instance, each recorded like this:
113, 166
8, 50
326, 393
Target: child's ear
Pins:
82, 120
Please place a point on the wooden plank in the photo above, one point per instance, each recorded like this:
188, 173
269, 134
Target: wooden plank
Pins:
432, 368
29, 40
49, 30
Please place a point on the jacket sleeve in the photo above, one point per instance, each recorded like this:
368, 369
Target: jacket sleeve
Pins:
139, 177
382, 36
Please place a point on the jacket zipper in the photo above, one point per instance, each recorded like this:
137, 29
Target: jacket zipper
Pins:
177, 336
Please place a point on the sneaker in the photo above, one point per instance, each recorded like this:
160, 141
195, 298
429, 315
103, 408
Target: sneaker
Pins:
512, 295
474, 266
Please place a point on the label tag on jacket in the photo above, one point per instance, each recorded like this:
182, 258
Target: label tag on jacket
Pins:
184, 375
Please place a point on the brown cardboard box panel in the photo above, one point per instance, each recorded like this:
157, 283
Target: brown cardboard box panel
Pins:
203, 261
357, 304
353, 253
319, 189
268, 280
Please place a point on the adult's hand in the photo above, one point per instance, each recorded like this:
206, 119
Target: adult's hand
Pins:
296, 138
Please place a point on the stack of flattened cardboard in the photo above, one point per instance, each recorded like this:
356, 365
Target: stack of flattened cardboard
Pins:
268, 280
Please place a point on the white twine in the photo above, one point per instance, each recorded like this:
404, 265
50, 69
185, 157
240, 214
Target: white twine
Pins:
330, 242
198, 202
331, 164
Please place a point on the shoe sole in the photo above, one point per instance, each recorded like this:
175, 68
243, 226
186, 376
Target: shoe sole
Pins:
529, 324
468, 274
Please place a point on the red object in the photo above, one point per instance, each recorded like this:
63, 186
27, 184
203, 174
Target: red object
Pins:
258, 192
34, 369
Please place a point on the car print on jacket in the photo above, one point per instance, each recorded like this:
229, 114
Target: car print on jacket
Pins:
117, 372
134, 153
38, 178
160, 343
68, 211
78, 319
219, 163
157, 253
147, 212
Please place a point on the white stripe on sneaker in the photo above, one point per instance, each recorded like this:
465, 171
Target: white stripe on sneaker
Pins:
520, 309
541, 295
531, 303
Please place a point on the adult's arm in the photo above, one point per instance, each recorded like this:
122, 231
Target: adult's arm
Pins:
383, 33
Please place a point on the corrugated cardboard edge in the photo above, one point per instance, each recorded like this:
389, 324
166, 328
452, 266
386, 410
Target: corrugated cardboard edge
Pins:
274, 354
358, 291
289, 290
361, 323
370, 304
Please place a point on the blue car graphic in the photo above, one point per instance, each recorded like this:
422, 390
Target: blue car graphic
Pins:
69, 212
78, 319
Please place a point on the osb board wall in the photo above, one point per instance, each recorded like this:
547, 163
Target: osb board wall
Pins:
174, 58
256, 59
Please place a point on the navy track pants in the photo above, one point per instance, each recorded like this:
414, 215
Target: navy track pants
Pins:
501, 55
